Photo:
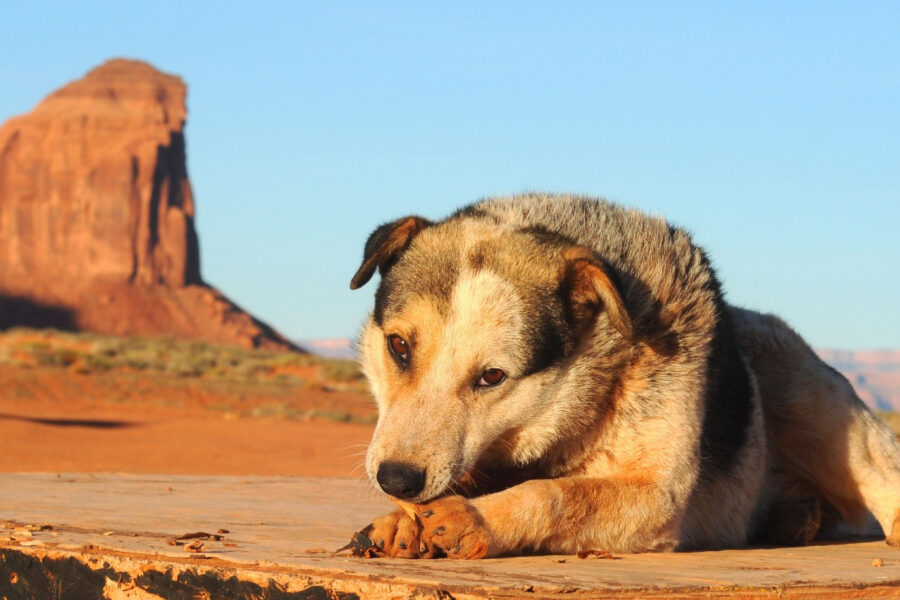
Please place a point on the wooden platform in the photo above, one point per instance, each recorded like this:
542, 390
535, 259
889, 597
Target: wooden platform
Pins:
89, 536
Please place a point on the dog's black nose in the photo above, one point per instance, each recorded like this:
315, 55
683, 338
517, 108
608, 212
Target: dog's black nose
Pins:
400, 480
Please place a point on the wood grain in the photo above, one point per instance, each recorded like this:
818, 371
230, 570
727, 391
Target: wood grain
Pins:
281, 531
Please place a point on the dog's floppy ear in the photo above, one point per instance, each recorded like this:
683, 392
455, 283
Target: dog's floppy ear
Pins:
385, 245
591, 288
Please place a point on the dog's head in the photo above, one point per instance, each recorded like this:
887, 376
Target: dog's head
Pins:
469, 339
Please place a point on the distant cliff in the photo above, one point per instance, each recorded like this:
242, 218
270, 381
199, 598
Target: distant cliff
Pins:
331, 348
875, 375
97, 215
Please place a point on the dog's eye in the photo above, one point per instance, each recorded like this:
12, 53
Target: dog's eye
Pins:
399, 348
491, 377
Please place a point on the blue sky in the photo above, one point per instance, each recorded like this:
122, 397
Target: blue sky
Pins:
771, 130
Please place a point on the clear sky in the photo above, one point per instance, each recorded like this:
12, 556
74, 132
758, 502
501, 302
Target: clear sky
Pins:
771, 130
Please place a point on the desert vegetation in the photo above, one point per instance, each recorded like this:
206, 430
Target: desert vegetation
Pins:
72, 368
92, 353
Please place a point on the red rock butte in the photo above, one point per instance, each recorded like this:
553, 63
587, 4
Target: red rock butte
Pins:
97, 215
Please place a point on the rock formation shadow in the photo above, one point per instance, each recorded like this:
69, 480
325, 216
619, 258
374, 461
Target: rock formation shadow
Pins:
27, 312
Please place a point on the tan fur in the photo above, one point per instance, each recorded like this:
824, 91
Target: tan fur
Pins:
894, 538
592, 287
639, 411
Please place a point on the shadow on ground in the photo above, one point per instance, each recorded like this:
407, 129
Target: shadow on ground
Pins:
94, 423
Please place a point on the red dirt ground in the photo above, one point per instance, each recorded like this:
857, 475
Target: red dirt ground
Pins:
54, 420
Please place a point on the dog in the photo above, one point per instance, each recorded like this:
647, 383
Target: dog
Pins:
560, 373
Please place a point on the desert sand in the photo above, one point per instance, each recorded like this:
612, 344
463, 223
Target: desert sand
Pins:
53, 420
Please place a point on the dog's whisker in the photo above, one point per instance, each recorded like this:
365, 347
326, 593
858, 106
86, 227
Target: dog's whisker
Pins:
354, 455
353, 447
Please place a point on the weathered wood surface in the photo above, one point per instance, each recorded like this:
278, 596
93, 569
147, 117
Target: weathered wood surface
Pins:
110, 536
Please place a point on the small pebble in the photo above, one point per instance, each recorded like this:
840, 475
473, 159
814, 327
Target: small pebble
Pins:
877, 563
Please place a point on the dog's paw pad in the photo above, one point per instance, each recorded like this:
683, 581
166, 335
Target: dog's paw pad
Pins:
454, 527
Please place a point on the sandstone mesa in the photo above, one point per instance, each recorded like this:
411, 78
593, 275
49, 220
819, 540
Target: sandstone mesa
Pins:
97, 215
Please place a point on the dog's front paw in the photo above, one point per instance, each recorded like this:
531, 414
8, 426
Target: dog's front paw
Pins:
398, 536
455, 526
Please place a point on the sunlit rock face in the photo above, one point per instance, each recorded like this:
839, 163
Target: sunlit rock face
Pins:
97, 214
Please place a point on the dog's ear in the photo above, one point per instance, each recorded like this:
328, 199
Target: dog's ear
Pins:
591, 287
385, 245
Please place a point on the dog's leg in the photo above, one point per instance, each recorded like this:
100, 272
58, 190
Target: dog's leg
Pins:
550, 515
820, 432
555, 515
874, 459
